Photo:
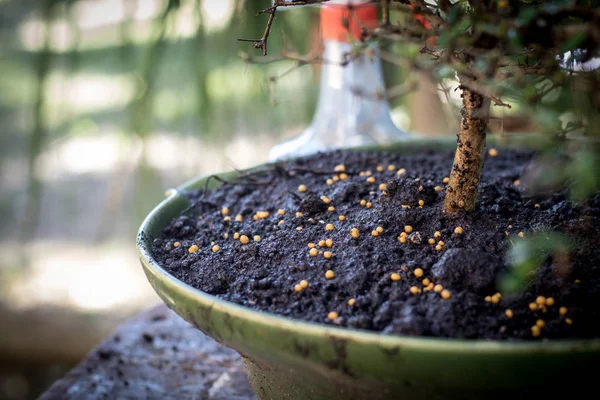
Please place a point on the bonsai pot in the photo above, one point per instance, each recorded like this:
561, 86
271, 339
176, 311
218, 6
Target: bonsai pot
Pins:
290, 359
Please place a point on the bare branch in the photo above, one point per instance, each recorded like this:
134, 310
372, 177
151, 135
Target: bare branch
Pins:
436, 54
262, 42
281, 3
465, 47
499, 103
535, 69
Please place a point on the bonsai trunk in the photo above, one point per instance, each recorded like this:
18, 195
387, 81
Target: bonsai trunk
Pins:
461, 193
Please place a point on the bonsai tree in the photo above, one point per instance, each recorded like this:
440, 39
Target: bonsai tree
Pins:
537, 54
329, 253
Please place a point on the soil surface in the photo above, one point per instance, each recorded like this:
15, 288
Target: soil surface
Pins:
365, 291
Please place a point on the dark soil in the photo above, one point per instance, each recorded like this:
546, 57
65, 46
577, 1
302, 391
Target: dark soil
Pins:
263, 275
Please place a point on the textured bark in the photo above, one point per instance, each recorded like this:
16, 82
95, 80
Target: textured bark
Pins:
461, 193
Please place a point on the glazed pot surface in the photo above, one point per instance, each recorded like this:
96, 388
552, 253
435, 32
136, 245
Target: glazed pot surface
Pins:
289, 359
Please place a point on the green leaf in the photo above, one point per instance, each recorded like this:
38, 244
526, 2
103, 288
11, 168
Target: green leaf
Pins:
526, 16
444, 71
584, 169
526, 255
573, 42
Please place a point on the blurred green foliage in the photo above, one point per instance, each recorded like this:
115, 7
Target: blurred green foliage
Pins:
526, 255
80, 68
585, 172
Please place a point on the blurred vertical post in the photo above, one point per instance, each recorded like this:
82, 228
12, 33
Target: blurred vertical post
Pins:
201, 68
74, 30
125, 28
38, 130
118, 182
142, 111
427, 114
141, 114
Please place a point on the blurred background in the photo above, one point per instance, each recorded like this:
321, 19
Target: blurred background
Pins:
104, 105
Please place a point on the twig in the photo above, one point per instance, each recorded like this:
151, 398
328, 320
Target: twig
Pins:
319, 171
446, 92
474, 85
547, 89
393, 92
535, 69
295, 195
401, 90
281, 3
464, 49
223, 181
248, 58
413, 33
431, 52
262, 42
499, 103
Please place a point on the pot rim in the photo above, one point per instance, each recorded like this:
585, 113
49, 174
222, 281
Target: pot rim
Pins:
449, 345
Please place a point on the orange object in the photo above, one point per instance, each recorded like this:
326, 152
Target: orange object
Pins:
345, 23
420, 18
431, 42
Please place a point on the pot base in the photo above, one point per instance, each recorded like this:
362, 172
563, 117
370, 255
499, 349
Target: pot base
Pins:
291, 359
277, 382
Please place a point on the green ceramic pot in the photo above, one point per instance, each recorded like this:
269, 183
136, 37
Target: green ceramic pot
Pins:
289, 359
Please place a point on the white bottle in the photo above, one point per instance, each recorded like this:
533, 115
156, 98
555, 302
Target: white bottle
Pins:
352, 109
